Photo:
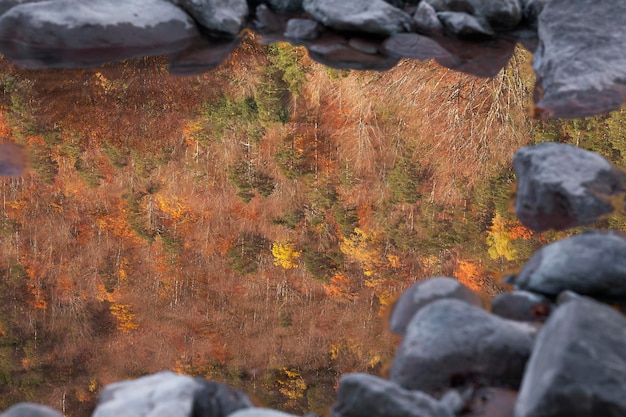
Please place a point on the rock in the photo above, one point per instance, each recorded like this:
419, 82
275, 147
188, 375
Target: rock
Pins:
412, 45
286, 6
491, 402
561, 186
531, 9
203, 55
221, 16
8, 4
260, 412
270, 25
423, 293
334, 51
521, 306
463, 24
169, 394
484, 58
213, 399
68, 33
591, 263
580, 62
30, 410
305, 29
375, 17
503, 14
450, 343
578, 366
366, 395
453, 400
12, 160
426, 19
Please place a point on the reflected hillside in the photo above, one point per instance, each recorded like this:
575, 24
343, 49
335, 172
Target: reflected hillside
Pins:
252, 224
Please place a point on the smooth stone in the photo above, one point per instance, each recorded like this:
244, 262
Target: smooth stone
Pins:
305, 29
68, 33
426, 19
30, 410
451, 343
334, 51
8, 4
504, 14
412, 45
213, 399
375, 17
365, 46
483, 58
463, 24
580, 62
521, 306
492, 402
561, 186
578, 366
423, 293
362, 394
592, 263
221, 16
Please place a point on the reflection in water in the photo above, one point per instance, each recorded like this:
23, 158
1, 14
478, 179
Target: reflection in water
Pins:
252, 224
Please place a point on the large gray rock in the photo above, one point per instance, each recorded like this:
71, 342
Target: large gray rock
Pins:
366, 395
580, 62
30, 410
451, 342
69, 33
578, 366
221, 16
168, 394
369, 16
423, 293
591, 263
561, 186
504, 14
522, 306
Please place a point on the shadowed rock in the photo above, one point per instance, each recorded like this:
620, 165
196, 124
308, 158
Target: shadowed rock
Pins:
591, 263
221, 16
561, 186
423, 293
67, 33
464, 24
366, 395
578, 366
213, 399
505, 14
450, 342
260, 412
521, 306
491, 402
202, 56
580, 62
30, 410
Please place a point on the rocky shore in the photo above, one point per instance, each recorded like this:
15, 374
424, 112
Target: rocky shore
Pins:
578, 59
553, 346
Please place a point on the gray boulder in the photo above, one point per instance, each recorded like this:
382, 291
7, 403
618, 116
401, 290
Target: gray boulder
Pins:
221, 16
286, 6
561, 186
521, 306
580, 62
366, 395
369, 16
426, 19
213, 399
463, 24
591, 263
504, 14
450, 342
423, 293
30, 410
69, 33
578, 366
305, 29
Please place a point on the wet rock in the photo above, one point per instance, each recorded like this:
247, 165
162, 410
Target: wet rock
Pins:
305, 29
504, 14
375, 17
30, 410
286, 6
578, 366
561, 186
521, 306
203, 55
425, 292
491, 402
412, 45
450, 343
426, 19
221, 16
591, 263
270, 25
260, 412
580, 62
334, 51
463, 24
366, 395
481, 58
213, 399
66, 33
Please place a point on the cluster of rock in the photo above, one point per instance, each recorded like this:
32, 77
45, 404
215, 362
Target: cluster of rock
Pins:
577, 43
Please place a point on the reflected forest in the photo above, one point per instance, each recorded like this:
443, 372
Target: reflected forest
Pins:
254, 224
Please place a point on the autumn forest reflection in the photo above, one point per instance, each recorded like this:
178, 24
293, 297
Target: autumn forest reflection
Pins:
253, 224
